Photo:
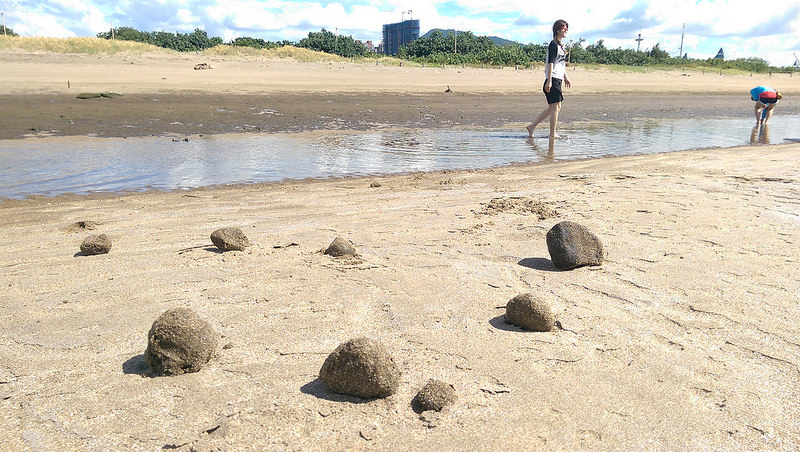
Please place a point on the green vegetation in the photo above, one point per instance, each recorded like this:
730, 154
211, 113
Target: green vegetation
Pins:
182, 42
8, 32
468, 49
437, 49
323, 41
327, 42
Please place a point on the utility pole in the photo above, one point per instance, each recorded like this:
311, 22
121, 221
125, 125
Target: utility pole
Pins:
3, 15
683, 30
638, 42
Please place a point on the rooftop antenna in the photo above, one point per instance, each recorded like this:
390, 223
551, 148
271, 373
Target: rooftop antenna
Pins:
639, 42
680, 53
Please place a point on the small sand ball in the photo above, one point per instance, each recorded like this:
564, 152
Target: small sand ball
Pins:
341, 247
96, 244
230, 239
530, 313
180, 341
360, 367
435, 395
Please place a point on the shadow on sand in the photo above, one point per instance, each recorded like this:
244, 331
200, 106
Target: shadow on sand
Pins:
137, 366
318, 389
539, 263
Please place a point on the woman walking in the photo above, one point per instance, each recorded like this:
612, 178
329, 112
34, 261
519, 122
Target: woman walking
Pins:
555, 70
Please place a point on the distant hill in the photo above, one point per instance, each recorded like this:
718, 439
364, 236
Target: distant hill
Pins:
495, 39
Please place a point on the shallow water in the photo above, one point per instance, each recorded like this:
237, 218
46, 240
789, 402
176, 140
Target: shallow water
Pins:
56, 165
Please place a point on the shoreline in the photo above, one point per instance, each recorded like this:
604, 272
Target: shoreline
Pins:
66, 141
105, 195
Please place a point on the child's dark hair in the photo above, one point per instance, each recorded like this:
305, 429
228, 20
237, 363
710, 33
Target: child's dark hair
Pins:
558, 25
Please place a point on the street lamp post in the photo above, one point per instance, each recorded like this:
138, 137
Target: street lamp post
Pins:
3, 15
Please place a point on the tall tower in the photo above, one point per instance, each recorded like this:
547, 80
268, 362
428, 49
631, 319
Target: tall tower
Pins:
399, 34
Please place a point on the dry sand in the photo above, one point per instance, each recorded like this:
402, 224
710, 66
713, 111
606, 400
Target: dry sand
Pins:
685, 338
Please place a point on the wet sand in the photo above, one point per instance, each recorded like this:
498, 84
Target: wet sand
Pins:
163, 95
208, 113
685, 338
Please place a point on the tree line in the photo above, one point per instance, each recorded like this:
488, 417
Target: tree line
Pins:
323, 41
466, 48
463, 48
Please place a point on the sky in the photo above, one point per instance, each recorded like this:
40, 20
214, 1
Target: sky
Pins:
767, 29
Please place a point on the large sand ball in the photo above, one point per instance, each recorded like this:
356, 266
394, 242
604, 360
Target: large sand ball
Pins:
361, 367
230, 239
435, 395
572, 245
96, 244
340, 247
180, 341
530, 313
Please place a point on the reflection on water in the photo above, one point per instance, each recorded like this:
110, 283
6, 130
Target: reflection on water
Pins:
760, 134
50, 166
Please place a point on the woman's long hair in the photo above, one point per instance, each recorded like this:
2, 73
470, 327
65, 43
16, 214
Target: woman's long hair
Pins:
558, 25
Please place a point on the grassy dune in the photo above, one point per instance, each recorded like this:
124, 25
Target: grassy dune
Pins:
89, 46
296, 53
93, 46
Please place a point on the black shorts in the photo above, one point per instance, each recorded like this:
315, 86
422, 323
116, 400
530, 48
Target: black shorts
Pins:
554, 96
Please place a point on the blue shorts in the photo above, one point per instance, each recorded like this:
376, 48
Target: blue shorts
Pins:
554, 96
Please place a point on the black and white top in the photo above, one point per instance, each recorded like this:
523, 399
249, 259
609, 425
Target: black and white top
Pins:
557, 56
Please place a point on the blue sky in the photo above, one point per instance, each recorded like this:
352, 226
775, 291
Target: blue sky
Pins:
770, 31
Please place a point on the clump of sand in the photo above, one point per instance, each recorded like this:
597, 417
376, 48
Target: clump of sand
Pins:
530, 313
341, 247
230, 239
180, 341
435, 395
361, 367
572, 245
96, 244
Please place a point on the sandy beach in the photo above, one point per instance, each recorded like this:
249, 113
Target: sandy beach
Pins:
686, 338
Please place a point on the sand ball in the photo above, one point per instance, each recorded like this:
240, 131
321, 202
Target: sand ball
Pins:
530, 313
360, 367
230, 239
180, 341
572, 245
96, 244
435, 395
341, 247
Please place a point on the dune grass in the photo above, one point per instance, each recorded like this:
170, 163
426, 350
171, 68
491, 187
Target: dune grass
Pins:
296, 53
95, 46
90, 46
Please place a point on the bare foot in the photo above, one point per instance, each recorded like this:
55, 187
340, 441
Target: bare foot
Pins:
530, 131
